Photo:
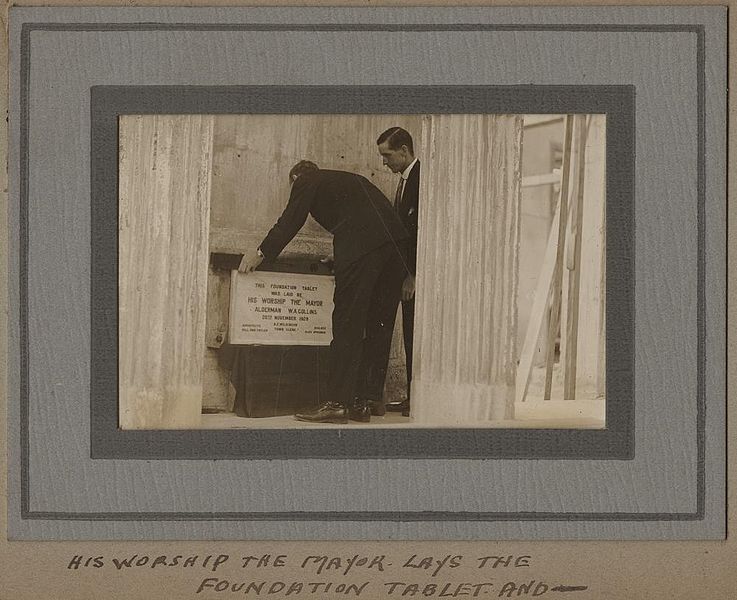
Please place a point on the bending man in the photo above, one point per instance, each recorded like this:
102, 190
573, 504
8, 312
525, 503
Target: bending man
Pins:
368, 240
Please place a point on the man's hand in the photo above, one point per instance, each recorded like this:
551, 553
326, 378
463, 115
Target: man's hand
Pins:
328, 261
408, 288
249, 262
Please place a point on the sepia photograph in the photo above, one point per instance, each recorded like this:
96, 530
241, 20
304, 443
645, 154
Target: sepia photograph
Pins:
359, 270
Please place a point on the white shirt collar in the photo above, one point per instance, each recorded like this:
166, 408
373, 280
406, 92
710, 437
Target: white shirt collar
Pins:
405, 173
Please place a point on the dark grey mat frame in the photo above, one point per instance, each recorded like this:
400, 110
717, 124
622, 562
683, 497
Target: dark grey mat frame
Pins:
614, 442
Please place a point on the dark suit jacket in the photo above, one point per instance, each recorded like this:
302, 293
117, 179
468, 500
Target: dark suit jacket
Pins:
349, 206
408, 210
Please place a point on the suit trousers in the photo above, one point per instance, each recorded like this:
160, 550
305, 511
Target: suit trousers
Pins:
367, 294
408, 328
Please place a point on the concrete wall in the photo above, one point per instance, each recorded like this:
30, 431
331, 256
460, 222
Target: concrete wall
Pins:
466, 325
165, 174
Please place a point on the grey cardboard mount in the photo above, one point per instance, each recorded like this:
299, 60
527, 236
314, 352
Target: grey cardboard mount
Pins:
666, 478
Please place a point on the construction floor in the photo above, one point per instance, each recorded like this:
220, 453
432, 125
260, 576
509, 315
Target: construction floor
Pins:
586, 412
394, 420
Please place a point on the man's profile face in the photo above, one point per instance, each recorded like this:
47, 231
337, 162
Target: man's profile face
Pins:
397, 160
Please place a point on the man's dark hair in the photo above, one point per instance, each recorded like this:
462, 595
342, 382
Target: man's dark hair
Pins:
302, 167
396, 138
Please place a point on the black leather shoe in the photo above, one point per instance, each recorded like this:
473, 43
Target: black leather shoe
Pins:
330, 412
377, 408
395, 406
360, 413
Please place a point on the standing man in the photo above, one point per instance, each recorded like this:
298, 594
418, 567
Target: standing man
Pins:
368, 240
397, 151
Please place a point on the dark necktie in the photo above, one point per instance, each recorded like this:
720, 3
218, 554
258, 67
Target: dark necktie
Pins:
398, 195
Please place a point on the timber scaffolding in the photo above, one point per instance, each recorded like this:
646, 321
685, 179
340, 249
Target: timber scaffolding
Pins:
557, 301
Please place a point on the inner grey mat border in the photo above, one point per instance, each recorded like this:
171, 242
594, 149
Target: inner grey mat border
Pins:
25, 65
614, 442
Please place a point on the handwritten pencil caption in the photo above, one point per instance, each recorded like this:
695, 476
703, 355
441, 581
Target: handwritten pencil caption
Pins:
402, 577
